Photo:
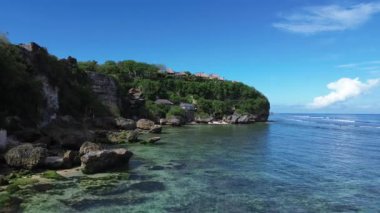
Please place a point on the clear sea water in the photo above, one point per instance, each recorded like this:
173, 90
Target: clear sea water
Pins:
295, 163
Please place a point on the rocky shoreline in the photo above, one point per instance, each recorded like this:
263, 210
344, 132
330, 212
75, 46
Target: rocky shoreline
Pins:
62, 115
92, 146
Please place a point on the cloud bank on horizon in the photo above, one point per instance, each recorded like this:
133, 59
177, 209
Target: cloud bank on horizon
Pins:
311, 20
342, 90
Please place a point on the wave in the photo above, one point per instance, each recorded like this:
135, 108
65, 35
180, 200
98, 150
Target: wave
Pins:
344, 120
326, 118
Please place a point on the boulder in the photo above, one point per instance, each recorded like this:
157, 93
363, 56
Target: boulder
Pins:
100, 161
26, 156
204, 119
89, 147
126, 124
174, 121
145, 124
117, 137
231, 119
71, 158
162, 121
155, 129
133, 136
244, 119
135, 93
239, 119
153, 139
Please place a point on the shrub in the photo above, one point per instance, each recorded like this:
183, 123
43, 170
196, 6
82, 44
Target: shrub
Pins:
176, 111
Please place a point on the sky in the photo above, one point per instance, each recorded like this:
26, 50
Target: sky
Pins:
319, 56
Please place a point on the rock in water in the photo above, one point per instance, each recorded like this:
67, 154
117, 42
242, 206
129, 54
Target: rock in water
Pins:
174, 121
145, 124
133, 136
100, 161
156, 129
153, 140
126, 124
26, 156
89, 147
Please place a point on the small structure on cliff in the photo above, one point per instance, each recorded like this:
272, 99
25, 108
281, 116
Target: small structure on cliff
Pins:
163, 102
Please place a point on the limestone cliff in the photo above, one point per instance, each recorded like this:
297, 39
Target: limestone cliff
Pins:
106, 90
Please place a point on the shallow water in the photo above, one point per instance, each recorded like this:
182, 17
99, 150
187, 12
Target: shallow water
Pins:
296, 163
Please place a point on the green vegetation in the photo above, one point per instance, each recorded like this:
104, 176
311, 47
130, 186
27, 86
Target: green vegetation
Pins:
21, 91
176, 111
23, 181
5, 199
17, 86
214, 97
50, 174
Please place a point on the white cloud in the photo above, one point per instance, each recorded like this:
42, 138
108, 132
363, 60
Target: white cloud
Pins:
372, 67
343, 89
358, 65
328, 18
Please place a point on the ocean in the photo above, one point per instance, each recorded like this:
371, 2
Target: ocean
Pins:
294, 163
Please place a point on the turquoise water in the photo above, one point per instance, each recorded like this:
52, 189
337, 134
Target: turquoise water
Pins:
296, 163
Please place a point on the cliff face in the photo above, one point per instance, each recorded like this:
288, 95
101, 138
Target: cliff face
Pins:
36, 87
106, 90
50, 94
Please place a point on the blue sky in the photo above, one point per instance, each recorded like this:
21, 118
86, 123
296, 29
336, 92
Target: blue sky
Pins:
290, 50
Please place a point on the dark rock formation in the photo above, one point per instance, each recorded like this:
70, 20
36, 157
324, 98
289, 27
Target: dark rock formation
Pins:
155, 129
204, 119
67, 133
53, 162
239, 119
111, 123
71, 158
145, 124
153, 139
133, 136
26, 156
27, 135
100, 161
106, 89
101, 122
88, 147
174, 121
50, 94
3, 140
126, 124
